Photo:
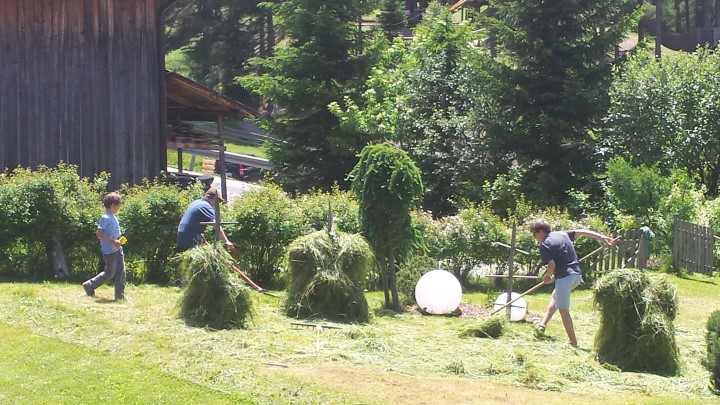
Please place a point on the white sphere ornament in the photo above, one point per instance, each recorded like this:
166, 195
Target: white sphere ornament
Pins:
438, 292
518, 309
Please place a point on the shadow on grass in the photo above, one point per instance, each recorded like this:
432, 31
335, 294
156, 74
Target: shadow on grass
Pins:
690, 277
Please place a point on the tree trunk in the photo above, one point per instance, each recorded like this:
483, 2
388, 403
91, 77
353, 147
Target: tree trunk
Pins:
678, 17
384, 277
687, 15
56, 256
392, 273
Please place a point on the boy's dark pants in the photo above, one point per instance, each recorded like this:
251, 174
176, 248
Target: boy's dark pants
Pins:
114, 267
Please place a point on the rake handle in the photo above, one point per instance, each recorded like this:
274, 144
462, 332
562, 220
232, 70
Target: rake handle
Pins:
540, 284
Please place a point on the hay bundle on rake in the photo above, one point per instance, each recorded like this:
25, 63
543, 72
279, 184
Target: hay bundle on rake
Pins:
327, 273
214, 296
636, 329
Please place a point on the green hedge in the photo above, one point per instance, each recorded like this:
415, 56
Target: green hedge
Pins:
149, 217
268, 220
39, 205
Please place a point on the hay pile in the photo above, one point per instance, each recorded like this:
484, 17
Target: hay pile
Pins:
327, 273
636, 330
492, 327
214, 296
712, 359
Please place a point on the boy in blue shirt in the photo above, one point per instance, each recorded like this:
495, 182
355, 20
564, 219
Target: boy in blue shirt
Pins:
558, 253
108, 231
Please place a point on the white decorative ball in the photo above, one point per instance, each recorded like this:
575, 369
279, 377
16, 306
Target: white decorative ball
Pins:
438, 292
518, 309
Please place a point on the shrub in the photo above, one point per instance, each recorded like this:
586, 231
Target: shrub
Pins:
327, 272
409, 273
267, 222
214, 297
149, 217
45, 204
468, 240
636, 328
712, 360
314, 210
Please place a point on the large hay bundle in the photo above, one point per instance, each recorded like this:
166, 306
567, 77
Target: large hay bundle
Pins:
327, 272
636, 329
214, 296
712, 358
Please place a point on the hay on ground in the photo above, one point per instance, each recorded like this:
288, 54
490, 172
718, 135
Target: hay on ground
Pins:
492, 327
214, 296
327, 272
636, 328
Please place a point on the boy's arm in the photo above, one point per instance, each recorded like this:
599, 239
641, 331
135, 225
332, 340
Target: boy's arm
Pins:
549, 272
594, 235
101, 235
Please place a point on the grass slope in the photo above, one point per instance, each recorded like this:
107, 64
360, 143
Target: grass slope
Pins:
43, 370
406, 358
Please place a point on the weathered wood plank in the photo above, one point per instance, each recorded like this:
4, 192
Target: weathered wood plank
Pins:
79, 83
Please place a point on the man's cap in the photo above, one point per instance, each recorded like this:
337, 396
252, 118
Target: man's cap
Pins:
213, 193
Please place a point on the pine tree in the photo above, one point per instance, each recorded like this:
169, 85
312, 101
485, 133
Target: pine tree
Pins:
322, 61
556, 58
216, 39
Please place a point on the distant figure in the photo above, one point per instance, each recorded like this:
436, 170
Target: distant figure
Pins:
108, 231
558, 253
190, 231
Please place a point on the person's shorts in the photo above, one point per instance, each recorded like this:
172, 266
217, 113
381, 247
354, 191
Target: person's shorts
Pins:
563, 286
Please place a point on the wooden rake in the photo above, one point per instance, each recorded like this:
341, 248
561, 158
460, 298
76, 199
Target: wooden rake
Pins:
542, 283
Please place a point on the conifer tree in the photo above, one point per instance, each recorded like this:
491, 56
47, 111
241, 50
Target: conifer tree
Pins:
321, 61
556, 56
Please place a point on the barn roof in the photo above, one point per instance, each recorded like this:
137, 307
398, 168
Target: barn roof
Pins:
188, 100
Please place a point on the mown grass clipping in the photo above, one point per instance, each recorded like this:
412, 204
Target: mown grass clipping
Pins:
488, 328
327, 272
636, 328
214, 296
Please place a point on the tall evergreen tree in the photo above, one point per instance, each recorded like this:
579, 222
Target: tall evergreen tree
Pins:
217, 38
322, 61
556, 60
444, 79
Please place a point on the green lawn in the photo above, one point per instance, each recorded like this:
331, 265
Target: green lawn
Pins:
44, 370
231, 147
65, 347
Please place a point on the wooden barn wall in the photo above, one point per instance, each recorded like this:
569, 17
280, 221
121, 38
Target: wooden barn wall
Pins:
79, 83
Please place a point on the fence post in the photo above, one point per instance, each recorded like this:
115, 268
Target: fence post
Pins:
641, 259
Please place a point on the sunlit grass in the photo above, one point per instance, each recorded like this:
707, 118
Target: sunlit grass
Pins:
275, 362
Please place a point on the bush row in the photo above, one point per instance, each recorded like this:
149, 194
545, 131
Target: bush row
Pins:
46, 203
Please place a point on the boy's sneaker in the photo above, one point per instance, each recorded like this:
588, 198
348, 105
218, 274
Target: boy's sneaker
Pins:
88, 290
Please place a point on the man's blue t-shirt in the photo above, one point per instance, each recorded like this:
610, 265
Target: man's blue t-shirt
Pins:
111, 227
189, 230
558, 246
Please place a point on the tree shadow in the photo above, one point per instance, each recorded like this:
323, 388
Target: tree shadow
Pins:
690, 277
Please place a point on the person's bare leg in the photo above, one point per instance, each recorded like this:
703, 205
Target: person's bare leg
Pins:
568, 324
549, 313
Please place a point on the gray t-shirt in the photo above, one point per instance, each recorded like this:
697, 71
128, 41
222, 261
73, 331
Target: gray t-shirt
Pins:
558, 246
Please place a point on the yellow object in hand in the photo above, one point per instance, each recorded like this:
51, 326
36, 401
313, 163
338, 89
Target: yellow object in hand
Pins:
122, 240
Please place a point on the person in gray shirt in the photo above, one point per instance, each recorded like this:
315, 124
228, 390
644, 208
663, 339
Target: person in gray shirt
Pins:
558, 253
